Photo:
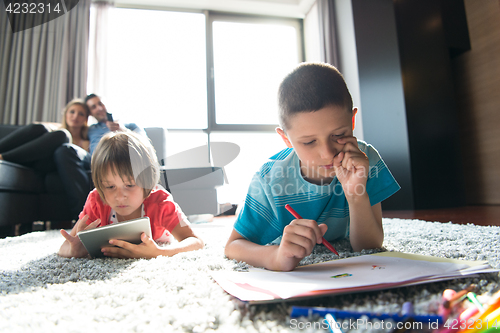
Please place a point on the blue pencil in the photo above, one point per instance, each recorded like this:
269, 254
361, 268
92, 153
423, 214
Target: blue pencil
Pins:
333, 326
298, 311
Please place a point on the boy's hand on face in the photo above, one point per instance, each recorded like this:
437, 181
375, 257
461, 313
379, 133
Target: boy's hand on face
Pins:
124, 250
351, 167
298, 241
76, 248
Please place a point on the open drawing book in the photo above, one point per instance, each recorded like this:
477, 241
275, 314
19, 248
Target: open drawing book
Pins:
355, 274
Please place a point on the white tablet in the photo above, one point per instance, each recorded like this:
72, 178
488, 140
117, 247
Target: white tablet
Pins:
130, 231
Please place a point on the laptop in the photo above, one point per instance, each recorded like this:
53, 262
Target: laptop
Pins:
130, 231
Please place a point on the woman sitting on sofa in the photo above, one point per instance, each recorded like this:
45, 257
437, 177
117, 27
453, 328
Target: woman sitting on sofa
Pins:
34, 145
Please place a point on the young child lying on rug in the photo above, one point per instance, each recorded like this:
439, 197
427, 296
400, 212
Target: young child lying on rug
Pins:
125, 172
334, 181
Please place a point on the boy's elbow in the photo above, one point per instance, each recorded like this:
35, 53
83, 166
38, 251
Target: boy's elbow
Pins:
374, 244
227, 250
232, 249
232, 245
379, 242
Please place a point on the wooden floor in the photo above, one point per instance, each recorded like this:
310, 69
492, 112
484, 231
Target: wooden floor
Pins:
479, 215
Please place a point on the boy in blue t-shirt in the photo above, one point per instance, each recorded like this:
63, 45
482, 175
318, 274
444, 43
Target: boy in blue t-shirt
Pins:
334, 181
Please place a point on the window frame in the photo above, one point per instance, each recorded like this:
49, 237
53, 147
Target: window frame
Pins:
211, 17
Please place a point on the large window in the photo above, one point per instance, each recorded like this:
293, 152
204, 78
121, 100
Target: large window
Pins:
205, 77
250, 60
156, 67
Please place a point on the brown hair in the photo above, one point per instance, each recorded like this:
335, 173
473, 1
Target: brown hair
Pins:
85, 128
130, 156
311, 87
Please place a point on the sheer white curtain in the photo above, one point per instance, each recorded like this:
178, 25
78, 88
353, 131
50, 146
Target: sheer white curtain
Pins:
311, 35
42, 68
98, 41
320, 33
327, 28
325, 43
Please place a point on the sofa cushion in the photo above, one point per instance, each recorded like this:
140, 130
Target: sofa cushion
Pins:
17, 178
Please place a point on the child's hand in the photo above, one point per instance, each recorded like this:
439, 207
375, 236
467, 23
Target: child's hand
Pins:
73, 247
351, 168
298, 241
124, 250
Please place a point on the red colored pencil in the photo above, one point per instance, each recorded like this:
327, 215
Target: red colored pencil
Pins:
324, 241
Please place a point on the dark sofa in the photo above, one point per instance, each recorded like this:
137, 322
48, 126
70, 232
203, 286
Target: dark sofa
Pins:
26, 196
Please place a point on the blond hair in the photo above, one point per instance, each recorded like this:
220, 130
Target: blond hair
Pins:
85, 128
127, 155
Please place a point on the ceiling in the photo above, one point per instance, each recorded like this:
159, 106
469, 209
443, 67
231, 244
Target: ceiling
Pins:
284, 8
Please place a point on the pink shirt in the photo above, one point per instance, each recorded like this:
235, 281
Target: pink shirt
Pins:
163, 212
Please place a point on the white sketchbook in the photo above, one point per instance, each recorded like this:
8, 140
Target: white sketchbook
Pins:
130, 231
368, 272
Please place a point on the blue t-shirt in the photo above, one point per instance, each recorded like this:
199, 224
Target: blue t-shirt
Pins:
96, 132
279, 182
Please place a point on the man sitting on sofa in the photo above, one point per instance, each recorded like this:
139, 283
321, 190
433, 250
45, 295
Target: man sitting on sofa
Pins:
73, 163
98, 111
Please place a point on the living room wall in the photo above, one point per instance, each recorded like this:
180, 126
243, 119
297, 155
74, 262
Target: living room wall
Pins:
408, 98
477, 80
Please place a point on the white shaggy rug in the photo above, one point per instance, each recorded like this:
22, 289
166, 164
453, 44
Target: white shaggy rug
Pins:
41, 292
